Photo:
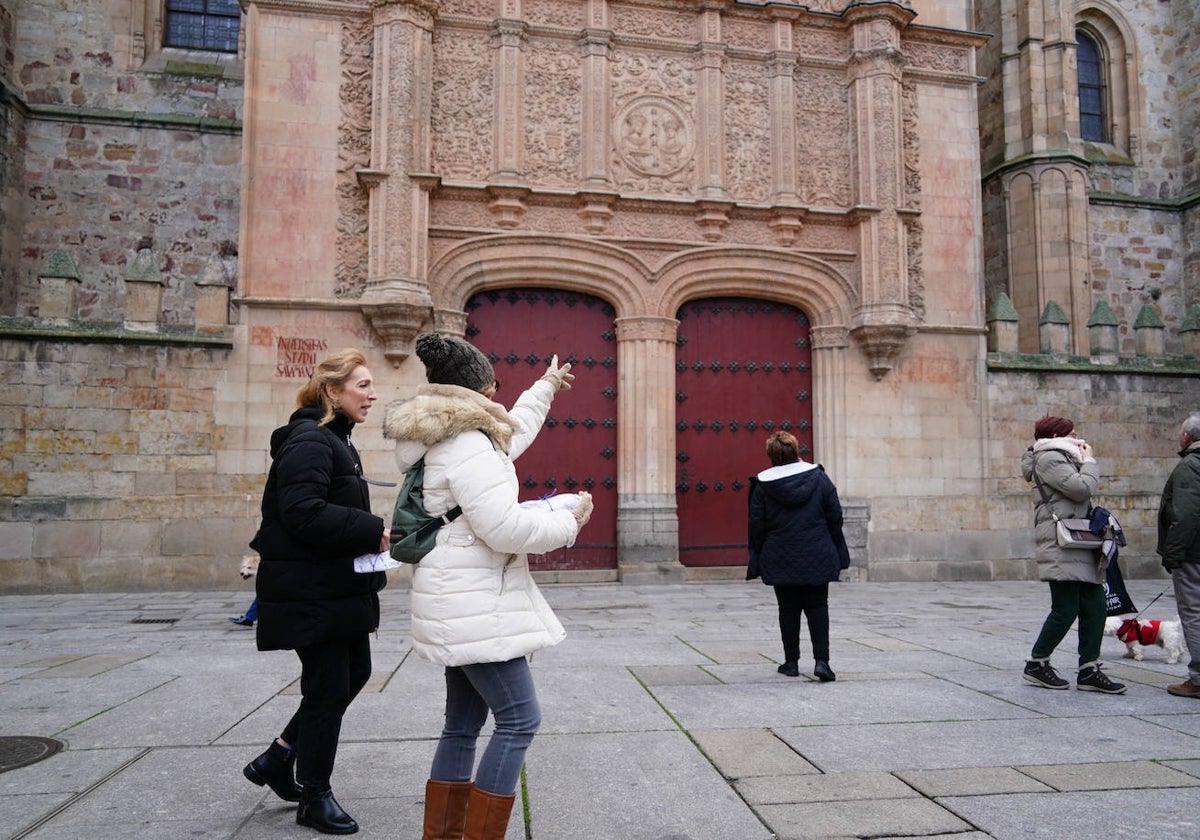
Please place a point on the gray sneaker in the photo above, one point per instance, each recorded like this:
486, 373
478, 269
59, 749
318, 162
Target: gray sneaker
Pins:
1041, 673
1091, 678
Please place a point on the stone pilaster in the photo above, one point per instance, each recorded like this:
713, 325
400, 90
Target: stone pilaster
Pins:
883, 321
396, 300
830, 423
647, 517
508, 138
710, 141
596, 43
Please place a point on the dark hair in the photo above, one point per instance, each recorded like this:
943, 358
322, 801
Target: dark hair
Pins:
1052, 427
783, 448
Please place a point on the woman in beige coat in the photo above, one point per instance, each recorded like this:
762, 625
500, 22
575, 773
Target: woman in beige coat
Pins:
1065, 468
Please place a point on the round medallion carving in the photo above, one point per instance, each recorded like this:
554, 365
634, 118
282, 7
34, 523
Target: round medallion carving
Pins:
654, 136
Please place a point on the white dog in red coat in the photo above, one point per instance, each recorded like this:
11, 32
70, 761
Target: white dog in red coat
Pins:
1138, 634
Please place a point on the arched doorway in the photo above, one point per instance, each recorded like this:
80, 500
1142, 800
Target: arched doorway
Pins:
519, 330
743, 369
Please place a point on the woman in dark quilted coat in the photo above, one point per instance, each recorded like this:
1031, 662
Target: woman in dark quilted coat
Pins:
797, 546
316, 518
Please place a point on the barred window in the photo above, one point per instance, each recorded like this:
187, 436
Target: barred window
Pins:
203, 25
1093, 90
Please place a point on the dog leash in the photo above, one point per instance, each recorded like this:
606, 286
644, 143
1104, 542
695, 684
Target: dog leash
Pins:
1152, 600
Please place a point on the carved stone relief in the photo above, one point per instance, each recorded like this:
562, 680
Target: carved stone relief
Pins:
653, 129
912, 200
937, 57
469, 8
657, 23
747, 131
746, 34
462, 105
354, 153
820, 43
568, 14
552, 96
822, 119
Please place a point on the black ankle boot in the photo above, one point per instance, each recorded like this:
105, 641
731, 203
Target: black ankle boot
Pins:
318, 809
274, 768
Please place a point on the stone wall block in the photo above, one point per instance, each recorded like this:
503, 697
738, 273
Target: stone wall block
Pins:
144, 283
1190, 332
1103, 327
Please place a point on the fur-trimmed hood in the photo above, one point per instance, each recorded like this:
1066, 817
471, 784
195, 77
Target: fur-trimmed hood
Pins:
439, 412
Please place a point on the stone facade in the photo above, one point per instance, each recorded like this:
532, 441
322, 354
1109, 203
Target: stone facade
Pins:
359, 170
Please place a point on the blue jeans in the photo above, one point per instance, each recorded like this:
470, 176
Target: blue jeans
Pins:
252, 611
505, 688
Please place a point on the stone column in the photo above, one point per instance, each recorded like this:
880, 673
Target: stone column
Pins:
396, 300
508, 137
710, 106
647, 517
884, 320
596, 44
829, 399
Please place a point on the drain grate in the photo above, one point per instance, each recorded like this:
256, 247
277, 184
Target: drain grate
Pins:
20, 750
153, 620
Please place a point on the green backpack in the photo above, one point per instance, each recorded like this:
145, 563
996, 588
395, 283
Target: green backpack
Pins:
414, 531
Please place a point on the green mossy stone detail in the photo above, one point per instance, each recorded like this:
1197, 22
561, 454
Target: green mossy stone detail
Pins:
1003, 309
1053, 314
1103, 316
1191, 321
59, 264
1148, 317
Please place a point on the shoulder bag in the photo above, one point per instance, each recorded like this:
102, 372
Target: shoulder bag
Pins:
1070, 533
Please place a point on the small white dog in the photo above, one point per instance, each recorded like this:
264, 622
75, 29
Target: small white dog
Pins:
249, 566
1136, 634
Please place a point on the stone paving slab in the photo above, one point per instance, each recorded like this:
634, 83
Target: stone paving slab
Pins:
1117, 775
744, 753
1133, 815
971, 781
827, 787
861, 818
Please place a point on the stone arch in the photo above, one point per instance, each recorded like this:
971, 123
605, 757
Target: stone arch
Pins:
807, 283
496, 262
802, 281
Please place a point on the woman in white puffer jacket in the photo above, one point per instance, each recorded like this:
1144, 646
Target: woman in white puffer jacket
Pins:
475, 607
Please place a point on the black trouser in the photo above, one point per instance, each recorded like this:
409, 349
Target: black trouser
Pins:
813, 601
332, 673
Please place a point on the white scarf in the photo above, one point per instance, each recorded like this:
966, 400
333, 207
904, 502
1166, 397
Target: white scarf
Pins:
1067, 445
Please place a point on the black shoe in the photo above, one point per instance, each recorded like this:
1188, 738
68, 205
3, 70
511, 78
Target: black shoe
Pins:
1041, 673
789, 669
274, 768
318, 809
242, 621
1091, 678
823, 672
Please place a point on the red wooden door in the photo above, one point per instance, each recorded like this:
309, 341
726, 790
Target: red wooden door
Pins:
519, 330
743, 370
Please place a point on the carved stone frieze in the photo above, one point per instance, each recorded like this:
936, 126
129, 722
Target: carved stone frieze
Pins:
913, 225
937, 57
566, 14
468, 8
351, 244
647, 328
462, 105
652, 22
821, 43
824, 338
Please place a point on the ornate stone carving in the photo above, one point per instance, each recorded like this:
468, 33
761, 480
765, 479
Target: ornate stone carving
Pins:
822, 119
747, 132
553, 87
351, 244
396, 311
882, 331
462, 105
647, 328
653, 124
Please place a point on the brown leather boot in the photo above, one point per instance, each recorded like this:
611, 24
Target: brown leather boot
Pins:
487, 815
445, 810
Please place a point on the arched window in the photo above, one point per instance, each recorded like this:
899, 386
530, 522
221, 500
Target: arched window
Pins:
1093, 89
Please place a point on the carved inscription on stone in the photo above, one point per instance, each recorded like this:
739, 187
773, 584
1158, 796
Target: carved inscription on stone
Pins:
462, 105
553, 91
296, 358
747, 131
653, 125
